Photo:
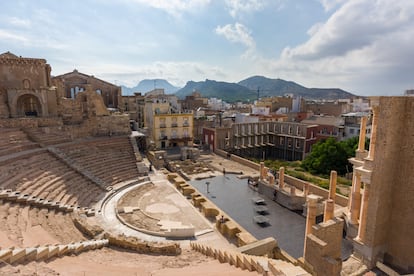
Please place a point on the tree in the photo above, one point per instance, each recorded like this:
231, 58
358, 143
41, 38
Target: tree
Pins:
329, 155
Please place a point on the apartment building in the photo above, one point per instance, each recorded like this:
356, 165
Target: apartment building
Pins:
264, 140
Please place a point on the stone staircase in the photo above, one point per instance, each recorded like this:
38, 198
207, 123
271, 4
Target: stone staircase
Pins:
42, 253
262, 265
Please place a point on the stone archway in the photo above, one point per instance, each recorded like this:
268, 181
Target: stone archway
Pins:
29, 105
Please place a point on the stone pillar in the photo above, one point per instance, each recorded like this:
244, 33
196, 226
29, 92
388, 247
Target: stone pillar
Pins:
281, 177
363, 216
312, 202
306, 189
265, 172
363, 127
271, 180
350, 196
332, 185
373, 133
356, 199
329, 210
261, 170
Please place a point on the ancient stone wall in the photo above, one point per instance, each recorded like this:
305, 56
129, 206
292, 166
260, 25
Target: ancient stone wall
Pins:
390, 217
323, 247
23, 73
314, 189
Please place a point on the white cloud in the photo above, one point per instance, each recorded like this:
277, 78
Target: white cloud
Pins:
242, 6
331, 4
18, 22
238, 33
174, 7
357, 24
364, 46
6, 35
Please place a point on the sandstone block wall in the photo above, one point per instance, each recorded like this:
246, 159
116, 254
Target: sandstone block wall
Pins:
323, 247
390, 219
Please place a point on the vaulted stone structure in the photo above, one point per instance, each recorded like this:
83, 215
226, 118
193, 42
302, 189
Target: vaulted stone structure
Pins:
75, 82
25, 87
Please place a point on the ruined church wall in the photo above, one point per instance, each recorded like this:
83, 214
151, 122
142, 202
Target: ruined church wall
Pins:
13, 72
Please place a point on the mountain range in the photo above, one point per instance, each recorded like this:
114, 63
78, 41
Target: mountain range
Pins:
148, 85
246, 90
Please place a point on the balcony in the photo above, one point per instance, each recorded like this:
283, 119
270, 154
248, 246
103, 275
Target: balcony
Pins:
163, 125
186, 124
163, 137
180, 139
174, 125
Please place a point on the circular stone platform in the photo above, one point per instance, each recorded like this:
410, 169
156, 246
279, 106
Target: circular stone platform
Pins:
158, 208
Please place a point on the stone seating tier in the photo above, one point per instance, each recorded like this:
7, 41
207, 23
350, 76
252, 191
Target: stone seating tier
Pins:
111, 160
44, 176
14, 140
15, 255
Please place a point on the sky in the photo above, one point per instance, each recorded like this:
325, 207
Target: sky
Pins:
362, 46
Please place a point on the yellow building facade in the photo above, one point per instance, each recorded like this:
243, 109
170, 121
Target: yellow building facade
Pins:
173, 130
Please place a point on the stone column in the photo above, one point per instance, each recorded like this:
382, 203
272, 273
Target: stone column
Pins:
363, 127
356, 199
281, 177
312, 201
271, 180
332, 185
306, 189
329, 210
373, 133
261, 170
363, 216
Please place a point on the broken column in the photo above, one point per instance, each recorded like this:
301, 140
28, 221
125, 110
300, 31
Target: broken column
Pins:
311, 202
373, 133
306, 189
332, 185
361, 143
363, 215
330, 202
356, 199
329, 210
281, 177
261, 170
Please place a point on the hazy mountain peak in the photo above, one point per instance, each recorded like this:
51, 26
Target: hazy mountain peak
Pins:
148, 85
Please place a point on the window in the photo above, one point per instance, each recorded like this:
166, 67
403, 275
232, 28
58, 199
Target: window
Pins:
297, 144
351, 131
162, 123
281, 141
289, 141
